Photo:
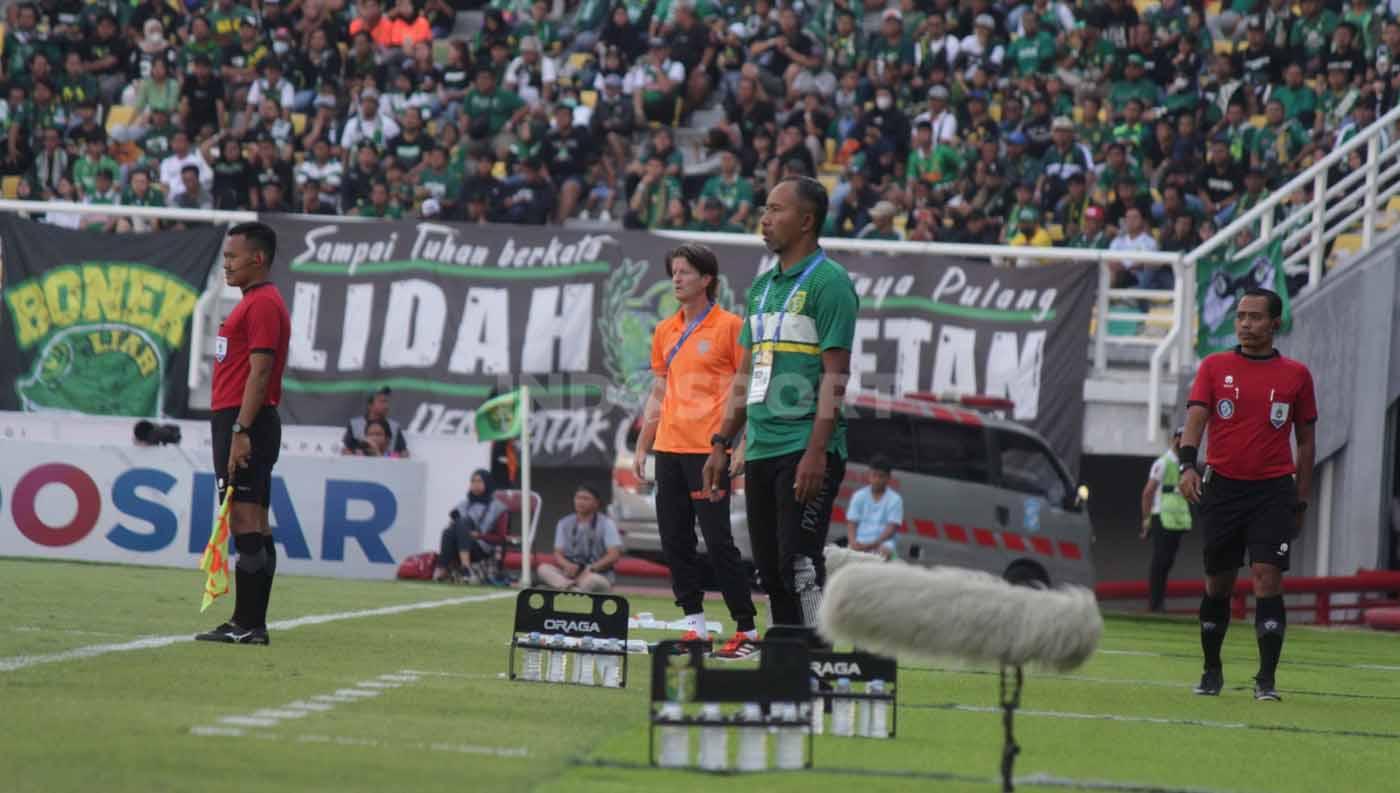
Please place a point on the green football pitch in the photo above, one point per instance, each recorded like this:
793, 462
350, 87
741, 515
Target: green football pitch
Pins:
385, 686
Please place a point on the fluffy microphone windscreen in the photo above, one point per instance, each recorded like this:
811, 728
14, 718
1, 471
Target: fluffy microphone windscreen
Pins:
946, 612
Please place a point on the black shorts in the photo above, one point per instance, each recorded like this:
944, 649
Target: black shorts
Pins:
1236, 514
253, 484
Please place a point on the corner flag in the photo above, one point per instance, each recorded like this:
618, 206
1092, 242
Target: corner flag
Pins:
499, 419
215, 558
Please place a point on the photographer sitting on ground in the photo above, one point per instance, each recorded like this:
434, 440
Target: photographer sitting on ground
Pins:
473, 542
586, 546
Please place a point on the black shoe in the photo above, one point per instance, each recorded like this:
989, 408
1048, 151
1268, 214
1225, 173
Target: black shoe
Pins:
252, 636
223, 633
1211, 682
1264, 691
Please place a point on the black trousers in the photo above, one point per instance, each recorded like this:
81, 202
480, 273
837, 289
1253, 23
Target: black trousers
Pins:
457, 538
788, 536
1164, 547
680, 503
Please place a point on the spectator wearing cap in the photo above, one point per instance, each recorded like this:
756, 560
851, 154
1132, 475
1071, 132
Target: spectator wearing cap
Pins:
891, 52
1065, 158
654, 84
532, 75
1069, 209
376, 410
1020, 166
733, 192
241, 58
881, 225
202, 98
1261, 63
1134, 85
1029, 231
491, 112
647, 207
367, 124
944, 122
1335, 102
530, 199
1091, 235
980, 49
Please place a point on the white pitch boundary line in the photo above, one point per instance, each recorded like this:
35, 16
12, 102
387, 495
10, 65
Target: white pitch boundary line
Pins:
15, 663
504, 752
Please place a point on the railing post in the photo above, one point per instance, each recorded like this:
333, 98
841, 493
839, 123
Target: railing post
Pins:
1368, 221
1188, 317
1319, 228
1101, 321
1324, 609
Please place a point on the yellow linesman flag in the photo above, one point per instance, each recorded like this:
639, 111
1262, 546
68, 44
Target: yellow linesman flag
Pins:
215, 559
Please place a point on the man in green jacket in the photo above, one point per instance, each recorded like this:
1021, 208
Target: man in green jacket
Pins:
1166, 517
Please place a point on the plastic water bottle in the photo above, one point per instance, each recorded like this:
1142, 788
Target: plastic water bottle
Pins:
879, 711
675, 738
753, 739
612, 664
558, 659
714, 746
863, 716
789, 736
818, 708
533, 655
583, 670
843, 716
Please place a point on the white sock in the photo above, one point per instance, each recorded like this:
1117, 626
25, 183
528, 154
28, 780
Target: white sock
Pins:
751, 635
696, 622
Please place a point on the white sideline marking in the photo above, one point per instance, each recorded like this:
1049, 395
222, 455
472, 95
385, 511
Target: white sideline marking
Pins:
355, 693
377, 684
460, 675
1377, 667
228, 732
319, 707
71, 631
507, 752
277, 713
18, 662
248, 721
1057, 714
403, 677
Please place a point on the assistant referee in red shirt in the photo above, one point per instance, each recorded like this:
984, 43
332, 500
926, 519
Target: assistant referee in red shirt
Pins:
249, 357
1248, 399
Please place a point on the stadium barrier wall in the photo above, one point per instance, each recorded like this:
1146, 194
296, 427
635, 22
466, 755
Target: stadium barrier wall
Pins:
1381, 585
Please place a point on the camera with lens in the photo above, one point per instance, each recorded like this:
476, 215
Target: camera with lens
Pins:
151, 434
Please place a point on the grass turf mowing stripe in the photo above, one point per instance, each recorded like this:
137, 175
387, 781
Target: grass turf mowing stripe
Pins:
1220, 725
18, 662
1290, 662
1042, 780
507, 752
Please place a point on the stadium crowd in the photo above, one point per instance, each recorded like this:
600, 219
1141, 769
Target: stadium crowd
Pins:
1096, 124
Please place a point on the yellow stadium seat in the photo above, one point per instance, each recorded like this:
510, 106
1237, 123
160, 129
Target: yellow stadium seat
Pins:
829, 181
901, 222
120, 116
1393, 205
994, 110
1057, 232
1213, 8
1078, 114
10, 187
1224, 47
1347, 243
578, 60
2, 38
589, 98
432, 128
499, 170
1259, 121
299, 124
1143, 6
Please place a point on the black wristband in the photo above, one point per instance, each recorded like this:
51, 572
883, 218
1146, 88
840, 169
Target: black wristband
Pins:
1300, 507
1187, 456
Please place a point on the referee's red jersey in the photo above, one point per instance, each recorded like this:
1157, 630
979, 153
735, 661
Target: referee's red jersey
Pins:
1253, 404
259, 322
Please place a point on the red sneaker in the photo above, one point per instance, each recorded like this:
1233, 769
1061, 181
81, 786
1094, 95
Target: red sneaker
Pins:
739, 648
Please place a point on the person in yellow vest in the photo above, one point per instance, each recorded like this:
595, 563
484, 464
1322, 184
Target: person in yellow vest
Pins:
1167, 517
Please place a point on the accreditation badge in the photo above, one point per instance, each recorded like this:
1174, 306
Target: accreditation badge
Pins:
758, 383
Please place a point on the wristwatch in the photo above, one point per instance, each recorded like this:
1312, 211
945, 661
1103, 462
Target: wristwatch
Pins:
1184, 467
239, 429
721, 440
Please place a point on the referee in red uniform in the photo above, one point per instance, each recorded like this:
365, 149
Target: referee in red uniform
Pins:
1248, 400
250, 355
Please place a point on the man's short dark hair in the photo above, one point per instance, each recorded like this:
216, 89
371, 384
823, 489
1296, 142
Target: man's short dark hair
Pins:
880, 463
1275, 302
590, 490
260, 236
812, 194
702, 259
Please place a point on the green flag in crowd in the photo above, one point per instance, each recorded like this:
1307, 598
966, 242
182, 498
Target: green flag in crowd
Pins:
499, 418
1219, 285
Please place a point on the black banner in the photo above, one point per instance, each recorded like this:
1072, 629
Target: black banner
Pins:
99, 323
450, 314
